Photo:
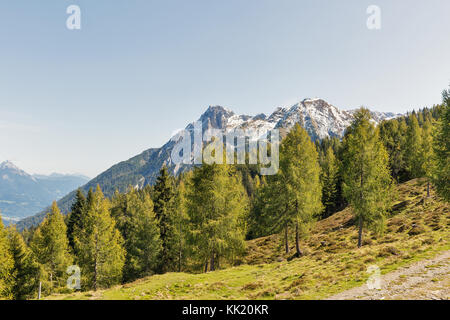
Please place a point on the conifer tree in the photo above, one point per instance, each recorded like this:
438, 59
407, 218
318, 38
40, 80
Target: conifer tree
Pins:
263, 219
6, 264
215, 203
329, 179
119, 211
367, 182
300, 172
414, 163
441, 147
399, 158
89, 198
75, 218
392, 133
181, 223
98, 244
26, 271
426, 156
51, 247
163, 200
142, 241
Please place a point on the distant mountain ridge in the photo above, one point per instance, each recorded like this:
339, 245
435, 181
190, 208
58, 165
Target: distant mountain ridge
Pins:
22, 194
317, 116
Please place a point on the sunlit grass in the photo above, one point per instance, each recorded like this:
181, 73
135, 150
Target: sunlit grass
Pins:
332, 263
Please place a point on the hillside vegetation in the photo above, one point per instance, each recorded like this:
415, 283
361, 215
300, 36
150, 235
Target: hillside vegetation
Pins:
304, 243
416, 229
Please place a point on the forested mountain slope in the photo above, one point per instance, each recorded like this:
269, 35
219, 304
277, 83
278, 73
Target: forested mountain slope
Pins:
318, 117
417, 229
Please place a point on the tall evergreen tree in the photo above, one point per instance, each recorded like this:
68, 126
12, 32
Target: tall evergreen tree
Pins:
329, 179
164, 207
99, 245
441, 148
367, 182
181, 221
89, 198
300, 172
270, 210
426, 156
75, 218
6, 264
51, 247
392, 134
26, 271
142, 242
414, 161
215, 203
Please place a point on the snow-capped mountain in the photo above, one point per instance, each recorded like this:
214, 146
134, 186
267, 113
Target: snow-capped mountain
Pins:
22, 194
317, 116
320, 119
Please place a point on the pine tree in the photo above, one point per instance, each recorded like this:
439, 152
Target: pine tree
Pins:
300, 172
99, 245
141, 236
6, 264
163, 200
51, 247
26, 271
329, 179
215, 204
367, 182
441, 148
75, 218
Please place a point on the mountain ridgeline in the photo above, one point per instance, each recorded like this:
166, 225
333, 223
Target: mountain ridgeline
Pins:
318, 117
200, 220
22, 194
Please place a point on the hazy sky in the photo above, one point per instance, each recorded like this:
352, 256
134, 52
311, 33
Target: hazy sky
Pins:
83, 100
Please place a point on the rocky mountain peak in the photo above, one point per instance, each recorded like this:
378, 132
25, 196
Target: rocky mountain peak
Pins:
12, 168
216, 117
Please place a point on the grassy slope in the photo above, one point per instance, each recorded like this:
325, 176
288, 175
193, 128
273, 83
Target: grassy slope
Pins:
417, 229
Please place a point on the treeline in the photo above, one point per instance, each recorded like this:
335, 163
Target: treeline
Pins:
198, 221
191, 223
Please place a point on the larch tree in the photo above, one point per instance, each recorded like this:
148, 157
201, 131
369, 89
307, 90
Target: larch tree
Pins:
367, 182
6, 264
441, 147
329, 179
181, 221
51, 247
99, 245
427, 156
300, 172
215, 204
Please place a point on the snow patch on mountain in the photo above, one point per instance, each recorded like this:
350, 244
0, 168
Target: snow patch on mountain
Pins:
317, 116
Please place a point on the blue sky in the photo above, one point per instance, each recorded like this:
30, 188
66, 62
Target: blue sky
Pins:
83, 100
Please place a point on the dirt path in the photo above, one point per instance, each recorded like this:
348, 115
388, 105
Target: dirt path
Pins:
427, 279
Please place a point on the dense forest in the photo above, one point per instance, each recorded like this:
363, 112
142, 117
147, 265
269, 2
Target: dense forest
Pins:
199, 221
